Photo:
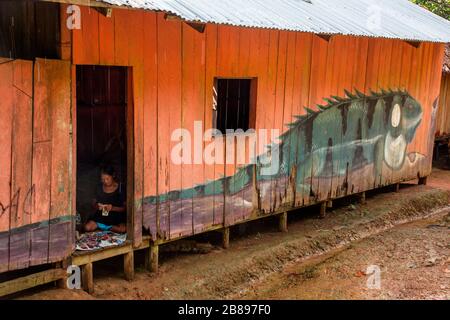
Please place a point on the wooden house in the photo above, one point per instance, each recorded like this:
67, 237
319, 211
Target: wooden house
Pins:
352, 86
443, 117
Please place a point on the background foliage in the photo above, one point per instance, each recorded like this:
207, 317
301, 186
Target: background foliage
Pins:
439, 7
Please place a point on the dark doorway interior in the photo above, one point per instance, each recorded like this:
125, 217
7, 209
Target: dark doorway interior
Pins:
29, 29
101, 129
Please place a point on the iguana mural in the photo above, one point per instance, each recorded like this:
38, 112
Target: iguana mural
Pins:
344, 136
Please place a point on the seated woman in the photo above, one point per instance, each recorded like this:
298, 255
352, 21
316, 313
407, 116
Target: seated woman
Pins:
109, 203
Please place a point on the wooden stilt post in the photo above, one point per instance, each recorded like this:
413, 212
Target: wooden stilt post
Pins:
329, 204
283, 222
397, 187
88, 277
323, 210
151, 258
128, 265
62, 283
226, 238
423, 181
363, 198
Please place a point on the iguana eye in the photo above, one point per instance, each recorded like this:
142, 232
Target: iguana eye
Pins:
396, 115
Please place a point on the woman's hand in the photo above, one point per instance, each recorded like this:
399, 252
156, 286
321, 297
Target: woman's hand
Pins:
108, 207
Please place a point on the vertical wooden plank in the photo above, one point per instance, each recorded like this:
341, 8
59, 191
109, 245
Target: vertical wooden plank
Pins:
197, 206
106, 39
289, 95
226, 238
304, 54
215, 171
122, 20
150, 124
416, 92
136, 60
263, 105
73, 141
151, 259
358, 83
88, 277
243, 183
66, 34
334, 66
417, 145
42, 163
265, 185
427, 137
21, 184
175, 57
59, 102
317, 91
279, 180
227, 67
228, 51
163, 134
169, 117
128, 265
283, 226
6, 121
395, 84
371, 84
373, 63
210, 63
86, 39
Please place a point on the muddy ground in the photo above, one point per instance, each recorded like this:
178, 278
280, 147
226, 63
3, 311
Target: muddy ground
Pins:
317, 258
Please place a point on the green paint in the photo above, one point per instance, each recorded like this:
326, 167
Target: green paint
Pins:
345, 134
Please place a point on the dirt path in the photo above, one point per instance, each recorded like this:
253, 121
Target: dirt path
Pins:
266, 261
413, 260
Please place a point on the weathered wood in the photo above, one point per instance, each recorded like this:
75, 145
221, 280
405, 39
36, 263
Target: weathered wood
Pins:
423, 181
62, 283
89, 257
397, 187
6, 121
151, 258
58, 82
329, 204
33, 280
323, 210
226, 238
283, 222
362, 200
88, 277
128, 265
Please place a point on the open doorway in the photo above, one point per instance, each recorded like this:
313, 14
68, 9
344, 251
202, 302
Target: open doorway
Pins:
103, 106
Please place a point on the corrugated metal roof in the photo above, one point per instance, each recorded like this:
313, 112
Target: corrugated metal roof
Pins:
398, 19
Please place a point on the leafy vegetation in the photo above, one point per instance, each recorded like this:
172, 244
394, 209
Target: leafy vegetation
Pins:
439, 7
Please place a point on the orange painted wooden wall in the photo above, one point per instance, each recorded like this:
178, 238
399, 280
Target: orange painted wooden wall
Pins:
35, 178
173, 67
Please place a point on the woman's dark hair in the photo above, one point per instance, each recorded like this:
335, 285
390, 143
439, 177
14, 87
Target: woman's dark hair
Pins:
110, 171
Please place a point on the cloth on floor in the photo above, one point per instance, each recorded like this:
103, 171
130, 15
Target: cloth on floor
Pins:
99, 240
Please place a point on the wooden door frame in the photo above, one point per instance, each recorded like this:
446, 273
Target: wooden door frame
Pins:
129, 123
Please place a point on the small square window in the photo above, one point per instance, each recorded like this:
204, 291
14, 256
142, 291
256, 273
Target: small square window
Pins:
233, 104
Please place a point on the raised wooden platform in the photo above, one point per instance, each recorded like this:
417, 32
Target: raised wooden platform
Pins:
86, 259
31, 281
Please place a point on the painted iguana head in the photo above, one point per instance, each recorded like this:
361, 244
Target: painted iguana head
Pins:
405, 115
